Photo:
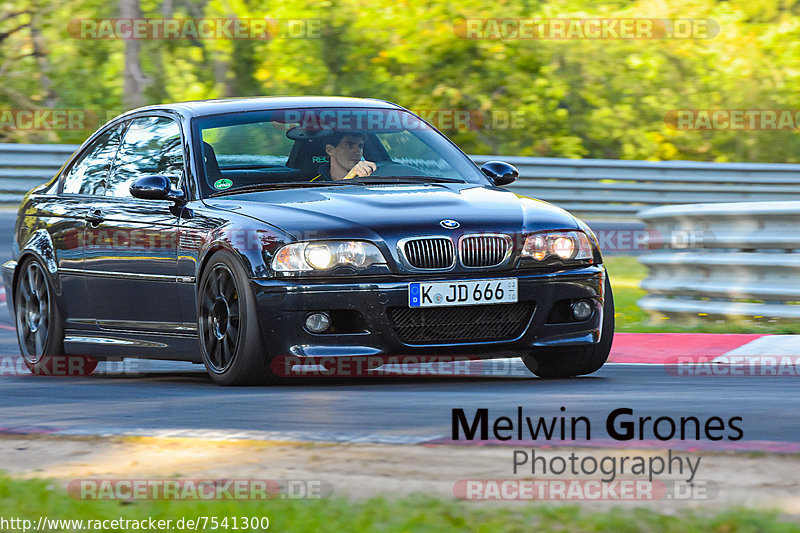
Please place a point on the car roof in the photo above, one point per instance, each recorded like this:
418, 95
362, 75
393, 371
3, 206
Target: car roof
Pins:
229, 105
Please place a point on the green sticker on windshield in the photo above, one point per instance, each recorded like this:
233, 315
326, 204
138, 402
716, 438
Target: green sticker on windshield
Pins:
223, 183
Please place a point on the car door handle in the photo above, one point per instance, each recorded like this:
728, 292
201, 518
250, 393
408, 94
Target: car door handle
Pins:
95, 218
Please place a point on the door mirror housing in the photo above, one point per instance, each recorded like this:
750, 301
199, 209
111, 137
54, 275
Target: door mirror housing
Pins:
499, 172
156, 188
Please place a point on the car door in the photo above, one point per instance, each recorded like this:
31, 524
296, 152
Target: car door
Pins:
83, 182
131, 247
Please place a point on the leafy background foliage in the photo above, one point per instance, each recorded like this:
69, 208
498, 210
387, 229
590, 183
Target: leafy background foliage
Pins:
578, 98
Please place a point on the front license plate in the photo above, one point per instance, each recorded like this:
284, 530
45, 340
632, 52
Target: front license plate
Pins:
450, 293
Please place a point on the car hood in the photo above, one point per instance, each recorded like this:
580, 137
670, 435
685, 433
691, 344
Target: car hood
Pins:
389, 212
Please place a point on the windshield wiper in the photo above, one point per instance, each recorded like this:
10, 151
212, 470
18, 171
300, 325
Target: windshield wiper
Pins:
282, 185
360, 181
370, 180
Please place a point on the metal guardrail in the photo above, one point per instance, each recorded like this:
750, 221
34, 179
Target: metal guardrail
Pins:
607, 187
737, 259
24, 166
586, 187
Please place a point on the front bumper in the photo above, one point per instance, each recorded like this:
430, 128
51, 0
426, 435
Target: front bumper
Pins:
283, 306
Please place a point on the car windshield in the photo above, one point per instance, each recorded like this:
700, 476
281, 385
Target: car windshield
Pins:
309, 147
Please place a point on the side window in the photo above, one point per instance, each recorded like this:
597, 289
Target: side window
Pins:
89, 173
249, 144
152, 146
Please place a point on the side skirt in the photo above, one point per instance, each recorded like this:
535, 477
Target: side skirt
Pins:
133, 344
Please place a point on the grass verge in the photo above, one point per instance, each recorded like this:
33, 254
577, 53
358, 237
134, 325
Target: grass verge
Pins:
32, 499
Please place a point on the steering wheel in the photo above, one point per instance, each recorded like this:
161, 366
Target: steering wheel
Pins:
386, 169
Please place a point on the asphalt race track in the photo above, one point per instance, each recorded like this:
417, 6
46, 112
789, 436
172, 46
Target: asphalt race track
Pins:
179, 399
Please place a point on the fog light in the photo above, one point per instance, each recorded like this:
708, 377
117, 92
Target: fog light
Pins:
318, 322
582, 309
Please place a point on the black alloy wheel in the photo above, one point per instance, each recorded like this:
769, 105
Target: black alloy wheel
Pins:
40, 331
219, 317
230, 338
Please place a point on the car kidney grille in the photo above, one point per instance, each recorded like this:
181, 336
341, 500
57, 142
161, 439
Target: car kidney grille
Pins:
475, 323
484, 250
430, 253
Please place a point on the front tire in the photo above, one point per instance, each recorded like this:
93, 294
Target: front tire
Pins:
230, 338
577, 360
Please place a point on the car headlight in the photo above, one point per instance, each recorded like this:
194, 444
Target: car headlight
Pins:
310, 256
564, 245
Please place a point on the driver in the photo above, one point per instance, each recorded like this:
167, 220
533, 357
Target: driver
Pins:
346, 153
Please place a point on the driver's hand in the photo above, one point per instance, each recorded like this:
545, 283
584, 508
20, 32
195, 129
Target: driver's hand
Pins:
361, 169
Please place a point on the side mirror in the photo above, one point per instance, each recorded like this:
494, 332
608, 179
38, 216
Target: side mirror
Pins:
155, 188
499, 172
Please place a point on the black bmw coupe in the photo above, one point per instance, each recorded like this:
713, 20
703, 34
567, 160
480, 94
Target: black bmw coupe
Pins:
234, 232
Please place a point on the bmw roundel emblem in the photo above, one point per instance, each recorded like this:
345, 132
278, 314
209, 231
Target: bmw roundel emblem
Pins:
449, 224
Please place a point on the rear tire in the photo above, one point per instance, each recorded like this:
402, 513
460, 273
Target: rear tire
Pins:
227, 323
577, 360
40, 330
